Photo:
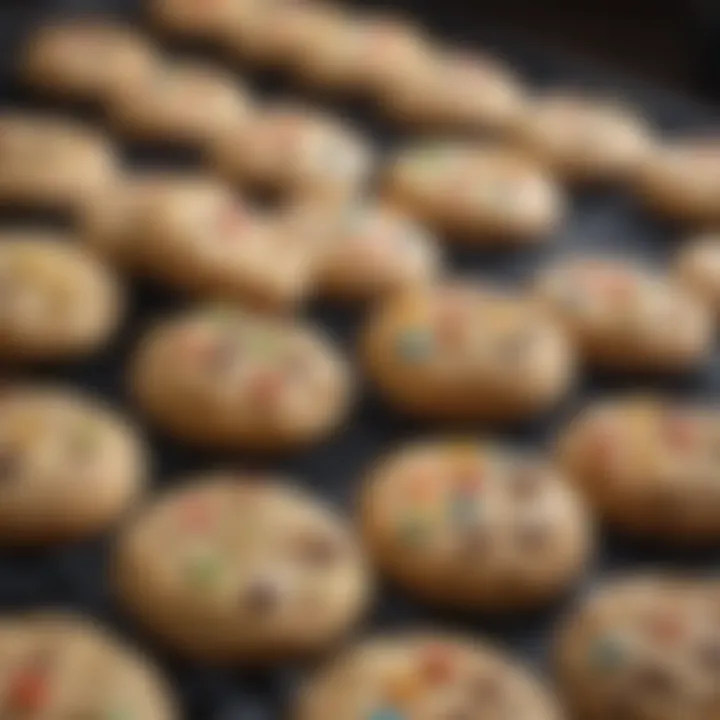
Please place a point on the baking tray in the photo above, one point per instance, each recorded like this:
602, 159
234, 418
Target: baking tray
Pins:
75, 577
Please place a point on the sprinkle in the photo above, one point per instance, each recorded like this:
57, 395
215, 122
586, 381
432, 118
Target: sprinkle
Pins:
679, 430
386, 713
203, 570
414, 345
667, 627
29, 690
265, 389
437, 664
196, 515
607, 654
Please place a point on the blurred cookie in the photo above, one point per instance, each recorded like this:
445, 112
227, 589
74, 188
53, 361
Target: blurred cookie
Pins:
586, 139
50, 162
296, 152
697, 268
86, 59
627, 318
463, 351
57, 665
180, 103
648, 465
681, 180
475, 525
241, 569
482, 194
56, 302
425, 675
197, 19
224, 377
643, 647
70, 467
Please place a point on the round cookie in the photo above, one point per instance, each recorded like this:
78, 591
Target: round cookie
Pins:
697, 268
86, 59
70, 466
225, 377
681, 180
461, 351
193, 233
624, 317
180, 103
480, 193
56, 301
56, 665
418, 676
475, 526
295, 151
241, 569
52, 162
586, 139
643, 647
455, 90
649, 466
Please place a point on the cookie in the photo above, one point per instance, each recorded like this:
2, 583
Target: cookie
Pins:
225, 377
586, 139
366, 251
86, 59
241, 569
624, 317
57, 665
56, 301
50, 162
479, 193
697, 268
70, 467
474, 525
295, 151
642, 647
191, 232
680, 180
184, 103
463, 351
196, 19
424, 675
455, 90
648, 465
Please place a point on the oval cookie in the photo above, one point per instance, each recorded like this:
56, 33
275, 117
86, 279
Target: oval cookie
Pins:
241, 569
463, 351
86, 59
698, 268
295, 151
475, 526
681, 180
643, 647
649, 466
69, 466
57, 665
425, 676
180, 103
484, 194
228, 378
51, 162
56, 302
624, 317
585, 139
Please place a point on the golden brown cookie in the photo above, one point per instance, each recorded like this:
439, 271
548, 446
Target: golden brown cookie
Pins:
465, 351
474, 525
241, 569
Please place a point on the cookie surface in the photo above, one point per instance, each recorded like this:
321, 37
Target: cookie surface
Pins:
52, 162
648, 465
642, 647
57, 301
622, 316
195, 18
86, 59
241, 569
56, 665
585, 139
418, 676
483, 194
473, 525
295, 151
465, 351
228, 378
697, 268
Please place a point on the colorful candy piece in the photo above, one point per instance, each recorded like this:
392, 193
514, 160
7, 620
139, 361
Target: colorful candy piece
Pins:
203, 569
437, 664
415, 344
29, 690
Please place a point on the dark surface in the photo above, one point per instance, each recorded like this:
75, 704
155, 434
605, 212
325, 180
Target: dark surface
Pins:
75, 577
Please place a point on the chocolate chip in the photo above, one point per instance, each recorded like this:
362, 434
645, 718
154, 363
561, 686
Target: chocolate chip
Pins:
319, 551
262, 597
655, 681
